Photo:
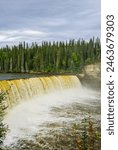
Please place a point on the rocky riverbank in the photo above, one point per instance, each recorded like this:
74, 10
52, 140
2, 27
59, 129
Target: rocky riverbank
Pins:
91, 76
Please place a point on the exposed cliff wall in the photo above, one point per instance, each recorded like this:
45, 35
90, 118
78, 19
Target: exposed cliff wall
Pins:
93, 70
91, 75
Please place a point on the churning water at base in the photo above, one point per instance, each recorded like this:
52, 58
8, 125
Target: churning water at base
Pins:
31, 116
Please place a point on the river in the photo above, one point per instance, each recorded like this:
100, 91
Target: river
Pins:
36, 123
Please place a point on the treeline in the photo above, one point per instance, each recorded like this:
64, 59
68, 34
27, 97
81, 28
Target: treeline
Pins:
50, 57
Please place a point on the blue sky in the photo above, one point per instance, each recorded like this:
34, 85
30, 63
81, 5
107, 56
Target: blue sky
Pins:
48, 20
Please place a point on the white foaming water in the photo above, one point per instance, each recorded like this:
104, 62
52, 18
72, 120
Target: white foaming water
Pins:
24, 120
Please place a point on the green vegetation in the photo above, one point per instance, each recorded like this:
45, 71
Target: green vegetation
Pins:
3, 127
53, 57
89, 138
56, 57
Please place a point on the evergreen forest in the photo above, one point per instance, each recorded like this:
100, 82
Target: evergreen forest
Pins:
56, 57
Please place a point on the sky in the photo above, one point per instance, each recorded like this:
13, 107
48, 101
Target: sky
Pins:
48, 20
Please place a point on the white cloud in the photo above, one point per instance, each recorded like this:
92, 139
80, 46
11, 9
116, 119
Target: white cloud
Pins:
17, 35
2, 37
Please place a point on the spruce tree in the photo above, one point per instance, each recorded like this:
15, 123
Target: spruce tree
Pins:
3, 127
53, 57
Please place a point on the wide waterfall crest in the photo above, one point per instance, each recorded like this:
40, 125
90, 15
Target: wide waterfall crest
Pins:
23, 89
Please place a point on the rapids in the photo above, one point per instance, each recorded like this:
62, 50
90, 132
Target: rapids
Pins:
46, 101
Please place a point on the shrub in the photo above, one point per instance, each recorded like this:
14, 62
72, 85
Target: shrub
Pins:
3, 127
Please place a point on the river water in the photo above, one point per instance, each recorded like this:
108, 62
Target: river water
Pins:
43, 116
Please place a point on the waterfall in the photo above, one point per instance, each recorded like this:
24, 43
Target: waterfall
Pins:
24, 89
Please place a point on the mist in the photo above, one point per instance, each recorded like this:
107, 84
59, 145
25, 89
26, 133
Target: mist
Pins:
30, 116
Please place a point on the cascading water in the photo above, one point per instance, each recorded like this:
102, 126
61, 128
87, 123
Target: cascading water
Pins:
22, 89
54, 99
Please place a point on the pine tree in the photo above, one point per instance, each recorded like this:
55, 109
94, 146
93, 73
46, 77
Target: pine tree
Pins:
50, 57
3, 128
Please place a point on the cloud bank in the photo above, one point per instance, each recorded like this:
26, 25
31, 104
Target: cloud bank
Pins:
48, 20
